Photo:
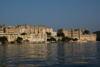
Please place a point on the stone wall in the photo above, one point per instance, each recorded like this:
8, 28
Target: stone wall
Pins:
30, 37
91, 37
23, 29
12, 30
77, 33
31, 29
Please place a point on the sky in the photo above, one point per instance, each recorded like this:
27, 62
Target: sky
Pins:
52, 13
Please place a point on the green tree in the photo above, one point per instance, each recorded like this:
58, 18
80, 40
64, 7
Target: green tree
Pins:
64, 39
61, 34
70, 39
19, 40
3, 39
48, 39
86, 32
23, 34
67, 39
48, 33
52, 39
59, 40
75, 39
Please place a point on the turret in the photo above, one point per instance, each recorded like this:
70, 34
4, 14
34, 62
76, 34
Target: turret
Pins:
72, 30
63, 28
79, 33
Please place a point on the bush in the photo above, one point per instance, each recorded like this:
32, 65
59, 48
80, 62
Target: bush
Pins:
59, 40
61, 34
23, 34
48, 39
75, 39
48, 33
19, 40
3, 39
86, 32
52, 39
70, 39
64, 39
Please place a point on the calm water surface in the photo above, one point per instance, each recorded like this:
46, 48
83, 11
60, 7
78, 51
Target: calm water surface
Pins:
50, 55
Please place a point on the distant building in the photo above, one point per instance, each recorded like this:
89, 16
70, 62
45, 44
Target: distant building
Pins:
77, 33
35, 33
1, 30
27, 29
30, 37
98, 35
24, 29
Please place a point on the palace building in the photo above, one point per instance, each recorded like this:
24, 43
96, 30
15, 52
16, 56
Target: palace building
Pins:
78, 33
34, 33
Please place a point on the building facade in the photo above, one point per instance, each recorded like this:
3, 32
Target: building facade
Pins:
34, 33
77, 33
53, 34
26, 29
30, 37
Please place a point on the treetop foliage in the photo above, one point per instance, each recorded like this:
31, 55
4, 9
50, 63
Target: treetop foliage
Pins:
48, 33
19, 39
86, 32
23, 34
61, 34
3, 39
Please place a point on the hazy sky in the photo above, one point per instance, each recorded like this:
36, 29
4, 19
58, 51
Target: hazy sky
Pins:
52, 13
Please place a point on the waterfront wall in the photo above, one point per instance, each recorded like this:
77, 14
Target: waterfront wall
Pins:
34, 33
30, 37
78, 33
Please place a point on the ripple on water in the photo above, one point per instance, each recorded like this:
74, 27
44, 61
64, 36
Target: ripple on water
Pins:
59, 55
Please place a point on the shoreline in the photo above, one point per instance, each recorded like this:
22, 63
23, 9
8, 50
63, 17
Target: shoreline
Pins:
47, 42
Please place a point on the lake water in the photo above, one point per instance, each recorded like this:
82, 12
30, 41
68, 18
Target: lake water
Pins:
50, 55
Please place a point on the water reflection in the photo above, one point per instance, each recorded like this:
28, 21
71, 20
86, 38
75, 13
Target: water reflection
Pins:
49, 54
77, 53
98, 52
